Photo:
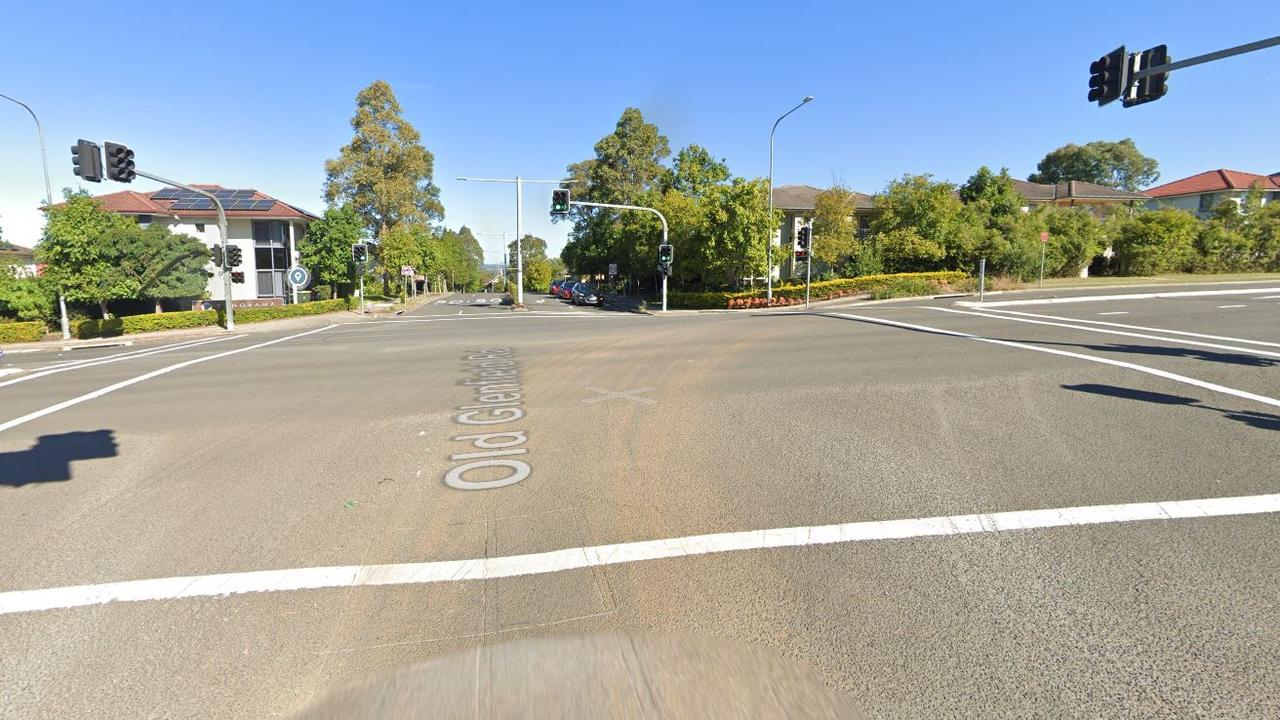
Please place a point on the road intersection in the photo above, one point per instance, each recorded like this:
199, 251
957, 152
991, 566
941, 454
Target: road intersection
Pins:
946, 509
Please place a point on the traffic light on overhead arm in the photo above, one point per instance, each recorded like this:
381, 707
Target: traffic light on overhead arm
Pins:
1151, 87
86, 161
119, 162
560, 201
1107, 76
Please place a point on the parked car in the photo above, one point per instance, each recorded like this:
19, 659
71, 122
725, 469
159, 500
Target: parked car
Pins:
565, 291
555, 287
584, 294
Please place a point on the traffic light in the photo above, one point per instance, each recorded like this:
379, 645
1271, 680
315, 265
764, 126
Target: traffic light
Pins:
237, 276
560, 201
1107, 77
86, 160
233, 256
802, 243
119, 162
360, 253
216, 253
1152, 87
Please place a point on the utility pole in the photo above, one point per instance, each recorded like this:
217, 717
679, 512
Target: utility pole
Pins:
48, 198
519, 183
645, 209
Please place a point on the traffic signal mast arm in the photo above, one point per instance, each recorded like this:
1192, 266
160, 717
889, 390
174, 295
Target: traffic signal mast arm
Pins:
645, 209
222, 230
1207, 57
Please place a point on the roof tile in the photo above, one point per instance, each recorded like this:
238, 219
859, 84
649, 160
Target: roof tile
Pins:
1214, 181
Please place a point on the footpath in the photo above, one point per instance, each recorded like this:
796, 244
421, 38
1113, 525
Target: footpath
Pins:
302, 322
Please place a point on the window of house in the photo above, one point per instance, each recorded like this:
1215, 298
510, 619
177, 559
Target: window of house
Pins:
270, 256
1206, 202
144, 219
200, 228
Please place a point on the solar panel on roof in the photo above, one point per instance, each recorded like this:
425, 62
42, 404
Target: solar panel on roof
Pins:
166, 194
263, 204
194, 203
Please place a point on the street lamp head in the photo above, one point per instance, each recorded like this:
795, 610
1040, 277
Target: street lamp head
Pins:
808, 98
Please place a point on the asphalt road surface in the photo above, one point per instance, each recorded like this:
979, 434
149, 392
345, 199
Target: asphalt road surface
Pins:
1034, 507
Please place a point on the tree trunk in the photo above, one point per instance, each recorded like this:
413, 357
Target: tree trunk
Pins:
102, 306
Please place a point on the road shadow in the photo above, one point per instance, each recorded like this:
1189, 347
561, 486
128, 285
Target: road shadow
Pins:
1260, 420
49, 460
1194, 354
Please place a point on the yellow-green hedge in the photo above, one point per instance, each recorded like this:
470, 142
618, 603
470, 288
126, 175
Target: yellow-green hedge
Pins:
131, 324
875, 285
251, 315
16, 332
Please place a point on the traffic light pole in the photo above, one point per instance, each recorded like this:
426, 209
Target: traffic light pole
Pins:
222, 230
808, 266
645, 209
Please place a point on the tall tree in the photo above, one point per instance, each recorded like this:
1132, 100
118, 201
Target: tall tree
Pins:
384, 173
627, 169
76, 257
696, 170
1114, 164
158, 264
326, 247
533, 254
835, 234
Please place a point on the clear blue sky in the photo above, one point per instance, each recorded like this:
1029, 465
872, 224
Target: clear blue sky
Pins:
260, 94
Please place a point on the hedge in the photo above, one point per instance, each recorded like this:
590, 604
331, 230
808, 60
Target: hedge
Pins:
251, 315
131, 324
16, 332
875, 285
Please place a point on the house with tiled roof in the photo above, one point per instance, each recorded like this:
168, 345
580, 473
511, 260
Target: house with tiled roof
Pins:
797, 204
266, 229
1075, 193
1201, 192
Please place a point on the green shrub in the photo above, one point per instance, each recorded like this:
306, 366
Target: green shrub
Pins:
251, 315
896, 285
131, 324
16, 332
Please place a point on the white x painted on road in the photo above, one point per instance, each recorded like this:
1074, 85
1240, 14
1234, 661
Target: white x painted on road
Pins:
620, 394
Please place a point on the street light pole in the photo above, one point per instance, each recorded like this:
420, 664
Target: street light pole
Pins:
48, 198
519, 183
768, 246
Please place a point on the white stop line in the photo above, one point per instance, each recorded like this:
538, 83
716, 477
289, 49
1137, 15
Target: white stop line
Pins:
489, 568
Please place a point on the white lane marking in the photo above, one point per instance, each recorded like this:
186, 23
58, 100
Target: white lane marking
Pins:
1115, 312
146, 376
490, 568
1104, 298
1142, 336
10, 371
1138, 327
1080, 356
81, 364
127, 353
1228, 307
1268, 297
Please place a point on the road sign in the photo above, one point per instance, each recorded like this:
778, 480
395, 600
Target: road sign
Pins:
298, 276
613, 269
1044, 236
406, 271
